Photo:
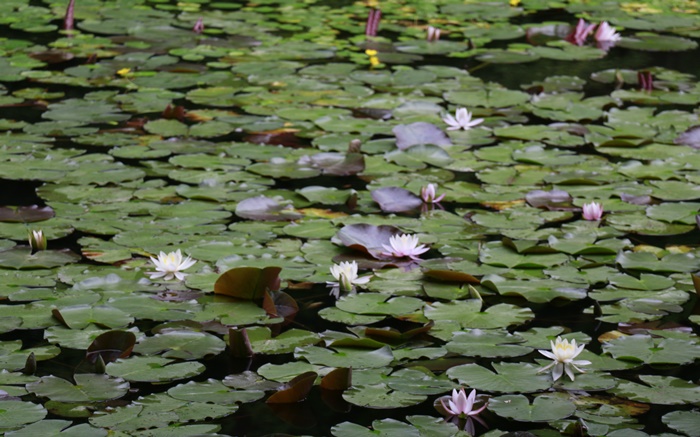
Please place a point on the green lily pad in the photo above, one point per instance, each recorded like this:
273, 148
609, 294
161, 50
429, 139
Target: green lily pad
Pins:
507, 378
185, 345
153, 369
655, 389
213, 391
88, 388
544, 408
686, 422
650, 350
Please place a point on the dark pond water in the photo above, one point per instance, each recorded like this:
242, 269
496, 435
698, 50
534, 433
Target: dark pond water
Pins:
133, 134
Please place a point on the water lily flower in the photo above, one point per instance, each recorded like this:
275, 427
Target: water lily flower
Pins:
404, 246
462, 120
198, 26
461, 405
346, 275
606, 32
37, 240
433, 34
428, 193
580, 33
592, 211
563, 354
169, 266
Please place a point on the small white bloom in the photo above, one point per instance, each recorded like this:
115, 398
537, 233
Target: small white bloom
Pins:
463, 120
404, 246
346, 275
606, 33
461, 405
433, 34
592, 211
563, 354
169, 266
428, 194
37, 240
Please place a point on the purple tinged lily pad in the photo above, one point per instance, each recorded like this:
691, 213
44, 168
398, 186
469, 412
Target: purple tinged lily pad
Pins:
408, 135
691, 137
25, 214
336, 164
367, 238
265, 208
552, 200
636, 200
395, 199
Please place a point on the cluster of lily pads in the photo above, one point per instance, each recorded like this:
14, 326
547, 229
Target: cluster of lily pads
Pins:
337, 215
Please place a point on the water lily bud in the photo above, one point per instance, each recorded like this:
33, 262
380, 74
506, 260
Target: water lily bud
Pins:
37, 240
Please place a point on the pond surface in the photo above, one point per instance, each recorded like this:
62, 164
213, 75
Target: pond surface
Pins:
201, 171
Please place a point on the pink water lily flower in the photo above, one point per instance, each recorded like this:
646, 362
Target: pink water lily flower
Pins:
563, 354
461, 405
592, 211
404, 246
462, 120
428, 194
606, 32
580, 33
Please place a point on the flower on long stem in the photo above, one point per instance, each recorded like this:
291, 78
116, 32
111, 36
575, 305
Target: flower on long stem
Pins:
563, 354
429, 192
345, 274
169, 266
404, 245
372, 24
592, 211
461, 120
645, 80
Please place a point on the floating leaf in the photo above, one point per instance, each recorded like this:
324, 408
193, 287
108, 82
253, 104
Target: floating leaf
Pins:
544, 408
295, 390
88, 388
248, 283
655, 389
394, 199
111, 345
419, 133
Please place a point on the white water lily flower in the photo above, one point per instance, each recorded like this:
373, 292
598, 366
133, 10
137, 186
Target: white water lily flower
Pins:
563, 354
461, 405
462, 120
428, 194
404, 246
592, 211
169, 266
37, 240
346, 275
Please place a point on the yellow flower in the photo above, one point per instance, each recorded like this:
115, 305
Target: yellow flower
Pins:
514, 2
124, 71
370, 52
374, 61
